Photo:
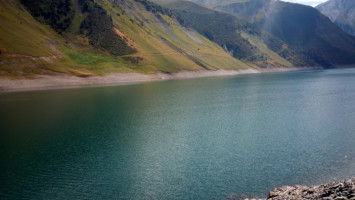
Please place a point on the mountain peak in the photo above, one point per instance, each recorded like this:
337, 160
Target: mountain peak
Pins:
341, 12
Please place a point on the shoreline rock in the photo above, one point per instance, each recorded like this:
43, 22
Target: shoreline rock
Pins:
339, 190
344, 189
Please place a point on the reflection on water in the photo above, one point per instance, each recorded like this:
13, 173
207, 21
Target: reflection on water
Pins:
189, 139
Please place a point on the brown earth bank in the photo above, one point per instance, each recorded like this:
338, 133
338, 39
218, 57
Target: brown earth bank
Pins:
59, 81
339, 190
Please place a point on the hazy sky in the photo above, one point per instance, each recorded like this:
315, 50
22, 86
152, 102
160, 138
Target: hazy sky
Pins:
307, 2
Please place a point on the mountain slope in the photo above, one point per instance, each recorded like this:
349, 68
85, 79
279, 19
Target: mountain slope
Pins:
239, 38
88, 37
340, 12
103, 37
302, 28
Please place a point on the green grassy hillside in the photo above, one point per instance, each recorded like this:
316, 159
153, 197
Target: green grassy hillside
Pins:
97, 37
106, 36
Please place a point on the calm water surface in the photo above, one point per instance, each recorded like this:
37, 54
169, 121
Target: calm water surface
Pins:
186, 139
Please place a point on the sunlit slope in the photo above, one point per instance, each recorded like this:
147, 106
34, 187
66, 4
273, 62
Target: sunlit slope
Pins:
160, 43
163, 44
26, 45
30, 47
22, 34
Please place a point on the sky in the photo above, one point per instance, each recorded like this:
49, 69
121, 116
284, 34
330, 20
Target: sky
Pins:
307, 2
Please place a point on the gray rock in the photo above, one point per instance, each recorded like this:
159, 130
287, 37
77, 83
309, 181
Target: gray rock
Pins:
340, 190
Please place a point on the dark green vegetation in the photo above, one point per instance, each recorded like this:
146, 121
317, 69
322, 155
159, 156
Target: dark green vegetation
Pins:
341, 12
58, 14
156, 8
98, 27
306, 31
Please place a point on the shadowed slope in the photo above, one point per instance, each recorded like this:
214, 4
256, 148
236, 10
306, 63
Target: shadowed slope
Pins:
301, 27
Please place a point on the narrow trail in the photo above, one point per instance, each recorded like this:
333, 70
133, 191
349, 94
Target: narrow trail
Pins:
34, 58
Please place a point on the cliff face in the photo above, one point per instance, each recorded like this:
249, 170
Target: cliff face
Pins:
344, 189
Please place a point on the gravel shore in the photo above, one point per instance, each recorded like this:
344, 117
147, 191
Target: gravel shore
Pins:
47, 82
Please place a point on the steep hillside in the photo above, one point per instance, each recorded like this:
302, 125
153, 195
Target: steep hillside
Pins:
239, 38
213, 3
302, 28
340, 12
310, 33
99, 38
250, 10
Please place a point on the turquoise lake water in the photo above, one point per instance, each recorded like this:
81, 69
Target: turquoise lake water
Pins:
184, 139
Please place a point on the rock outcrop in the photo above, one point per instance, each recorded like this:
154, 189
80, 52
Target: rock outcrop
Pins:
344, 189
339, 190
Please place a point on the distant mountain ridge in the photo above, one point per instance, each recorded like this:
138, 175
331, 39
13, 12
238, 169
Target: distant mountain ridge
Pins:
341, 12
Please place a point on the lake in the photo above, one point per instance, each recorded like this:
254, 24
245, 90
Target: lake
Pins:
200, 138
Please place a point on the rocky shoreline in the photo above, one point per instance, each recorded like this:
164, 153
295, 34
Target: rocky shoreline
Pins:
339, 190
344, 189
